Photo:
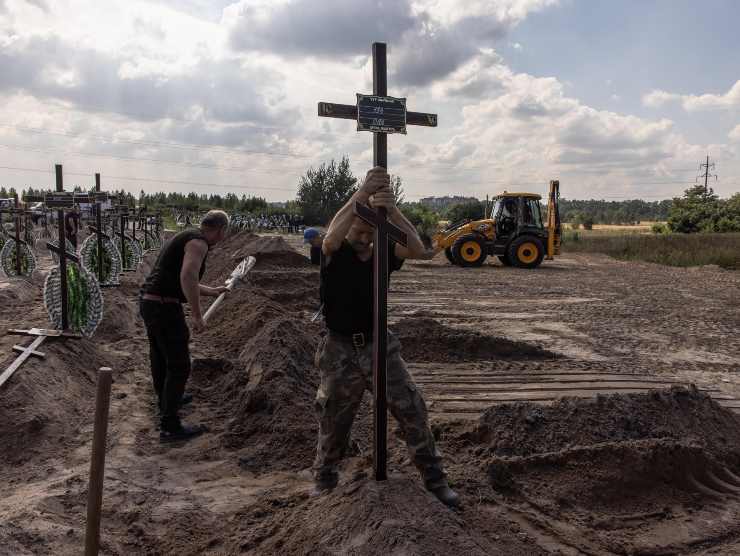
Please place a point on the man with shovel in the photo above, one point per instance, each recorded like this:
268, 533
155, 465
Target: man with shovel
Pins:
345, 356
174, 280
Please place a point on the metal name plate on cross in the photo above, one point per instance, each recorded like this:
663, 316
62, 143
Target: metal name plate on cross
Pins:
381, 115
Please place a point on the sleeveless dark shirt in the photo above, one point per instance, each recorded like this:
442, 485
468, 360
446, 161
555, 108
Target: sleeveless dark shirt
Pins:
164, 279
347, 290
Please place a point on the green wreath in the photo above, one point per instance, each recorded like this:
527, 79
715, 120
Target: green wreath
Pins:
84, 299
8, 263
111, 259
132, 252
152, 241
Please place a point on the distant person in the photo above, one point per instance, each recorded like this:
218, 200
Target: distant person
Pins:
72, 225
174, 280
345, 355
314, 238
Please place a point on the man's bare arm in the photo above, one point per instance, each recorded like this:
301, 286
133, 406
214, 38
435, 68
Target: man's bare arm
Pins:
211, 291
376, 178
415, 247
195, 252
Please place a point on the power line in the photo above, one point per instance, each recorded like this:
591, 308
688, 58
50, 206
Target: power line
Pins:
151, 180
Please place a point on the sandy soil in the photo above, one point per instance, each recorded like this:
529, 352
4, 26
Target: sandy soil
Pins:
633, 472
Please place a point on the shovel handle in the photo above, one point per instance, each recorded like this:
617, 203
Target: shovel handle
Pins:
213, 307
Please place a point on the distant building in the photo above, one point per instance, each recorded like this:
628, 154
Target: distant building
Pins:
441, 203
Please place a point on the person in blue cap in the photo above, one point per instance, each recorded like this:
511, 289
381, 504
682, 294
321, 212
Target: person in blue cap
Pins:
314, 238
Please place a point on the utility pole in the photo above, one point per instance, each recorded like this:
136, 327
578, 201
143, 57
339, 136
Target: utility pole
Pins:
707, 173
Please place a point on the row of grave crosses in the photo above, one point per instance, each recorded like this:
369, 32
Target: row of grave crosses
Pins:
64, 201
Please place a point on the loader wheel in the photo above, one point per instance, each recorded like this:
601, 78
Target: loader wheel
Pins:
505, 260
526, 252
449, 255
469, 251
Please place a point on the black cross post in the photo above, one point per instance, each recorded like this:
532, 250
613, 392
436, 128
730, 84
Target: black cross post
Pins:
17, 236
98, 228
62, 201
381, 115
123, 211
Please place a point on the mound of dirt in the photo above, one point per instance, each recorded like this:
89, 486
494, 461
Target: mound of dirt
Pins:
524, 429
266, 392
617, 473
270, 252
427, 340
46, 401
363, 518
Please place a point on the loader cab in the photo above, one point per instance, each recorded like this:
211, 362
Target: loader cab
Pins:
517, 213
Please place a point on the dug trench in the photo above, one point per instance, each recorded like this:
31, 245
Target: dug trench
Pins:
653, 473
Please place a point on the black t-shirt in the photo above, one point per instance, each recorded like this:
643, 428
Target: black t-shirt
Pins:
316, 255
347, 290
164, 279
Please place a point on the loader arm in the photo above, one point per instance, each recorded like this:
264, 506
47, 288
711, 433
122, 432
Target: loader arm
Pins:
554, 231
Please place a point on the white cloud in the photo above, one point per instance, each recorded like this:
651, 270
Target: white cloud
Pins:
429, 38
129, 79
690, 103
734, 135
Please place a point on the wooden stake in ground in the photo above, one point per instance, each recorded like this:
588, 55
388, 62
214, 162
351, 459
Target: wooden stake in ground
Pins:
97, 462
381, 115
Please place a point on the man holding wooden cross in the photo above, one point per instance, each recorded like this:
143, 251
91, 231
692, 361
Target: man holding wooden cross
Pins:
174, 280
345, 355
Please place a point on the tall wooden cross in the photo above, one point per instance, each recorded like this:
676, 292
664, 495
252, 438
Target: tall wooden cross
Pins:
99, 197
123, 212
18, 223
381, 115
61, 200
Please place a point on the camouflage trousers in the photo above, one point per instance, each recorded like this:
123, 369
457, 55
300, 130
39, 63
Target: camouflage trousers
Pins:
346, 372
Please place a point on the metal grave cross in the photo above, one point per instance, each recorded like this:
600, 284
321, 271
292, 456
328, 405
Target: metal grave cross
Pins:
381, 115
62, 200
99, 197
122, 212
21, 221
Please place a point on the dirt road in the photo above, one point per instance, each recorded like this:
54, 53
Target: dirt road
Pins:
628, 473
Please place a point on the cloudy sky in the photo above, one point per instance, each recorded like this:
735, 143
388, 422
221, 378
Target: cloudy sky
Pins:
616, 99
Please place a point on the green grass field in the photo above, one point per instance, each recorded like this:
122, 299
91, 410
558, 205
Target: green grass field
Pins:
669, 249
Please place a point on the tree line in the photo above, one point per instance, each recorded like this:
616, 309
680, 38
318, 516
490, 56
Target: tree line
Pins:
323, 190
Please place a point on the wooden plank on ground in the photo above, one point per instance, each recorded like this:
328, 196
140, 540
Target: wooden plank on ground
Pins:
15, 365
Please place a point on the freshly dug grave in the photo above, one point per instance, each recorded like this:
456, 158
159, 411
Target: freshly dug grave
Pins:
678, 413
426, 340
266, 392
270, 252
265, 387
47, 401
622, 469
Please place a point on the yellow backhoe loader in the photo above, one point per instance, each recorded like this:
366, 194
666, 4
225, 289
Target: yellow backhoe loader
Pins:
513, 231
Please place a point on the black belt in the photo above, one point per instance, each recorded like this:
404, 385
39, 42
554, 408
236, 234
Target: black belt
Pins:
357, 339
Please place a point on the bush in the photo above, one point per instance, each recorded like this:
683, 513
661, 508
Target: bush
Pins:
323, 191
703, 211
466, 211
659, 228
423, 218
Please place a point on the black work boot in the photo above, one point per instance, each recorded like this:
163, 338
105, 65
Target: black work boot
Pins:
174, 432
324, 483
446, 495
